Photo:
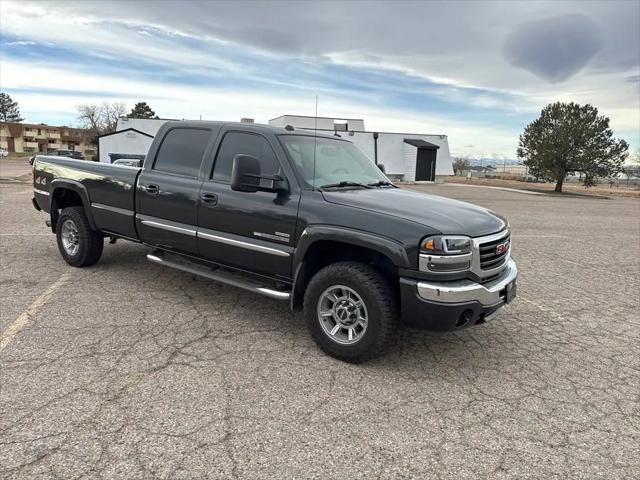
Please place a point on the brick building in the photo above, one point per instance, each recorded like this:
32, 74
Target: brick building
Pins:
40, 138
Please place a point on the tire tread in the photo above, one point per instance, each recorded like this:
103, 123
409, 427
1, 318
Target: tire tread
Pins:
373, 282
91, 251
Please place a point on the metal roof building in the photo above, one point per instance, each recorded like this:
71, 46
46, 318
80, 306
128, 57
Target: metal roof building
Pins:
132, 138
409, 157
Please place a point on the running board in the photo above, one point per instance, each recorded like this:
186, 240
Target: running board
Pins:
220, 276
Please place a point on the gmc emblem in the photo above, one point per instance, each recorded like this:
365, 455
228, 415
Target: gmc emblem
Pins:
502, 248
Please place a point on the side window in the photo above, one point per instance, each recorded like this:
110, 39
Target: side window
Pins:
234, 143
182, 150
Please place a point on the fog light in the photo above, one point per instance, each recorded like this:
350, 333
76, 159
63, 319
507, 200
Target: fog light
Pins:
448, 267
445, 263
465, 318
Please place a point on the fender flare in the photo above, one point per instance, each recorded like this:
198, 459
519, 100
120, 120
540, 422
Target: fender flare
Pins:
390, 248
80, 189
386, 246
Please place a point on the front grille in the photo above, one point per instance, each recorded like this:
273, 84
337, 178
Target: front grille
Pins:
489, 259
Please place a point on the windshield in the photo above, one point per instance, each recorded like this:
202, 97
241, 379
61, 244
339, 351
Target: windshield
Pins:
335, 161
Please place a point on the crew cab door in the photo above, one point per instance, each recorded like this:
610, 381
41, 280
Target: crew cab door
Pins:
251, 231
168, 190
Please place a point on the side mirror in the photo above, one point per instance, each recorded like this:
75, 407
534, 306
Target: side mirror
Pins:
245, 173
246, 177
382, 168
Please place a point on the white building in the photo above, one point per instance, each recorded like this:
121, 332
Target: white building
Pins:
128, 143
320, 123
132, 139
406, 156
149, 126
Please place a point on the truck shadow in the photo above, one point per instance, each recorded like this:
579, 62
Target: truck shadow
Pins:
246, 312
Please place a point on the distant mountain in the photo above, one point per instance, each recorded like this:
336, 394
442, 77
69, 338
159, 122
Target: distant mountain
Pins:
493, 161
489, 159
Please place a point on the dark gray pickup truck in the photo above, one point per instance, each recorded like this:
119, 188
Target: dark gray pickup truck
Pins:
293, 216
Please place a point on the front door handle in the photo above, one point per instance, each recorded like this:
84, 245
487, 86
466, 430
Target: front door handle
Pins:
210, 198
152, 189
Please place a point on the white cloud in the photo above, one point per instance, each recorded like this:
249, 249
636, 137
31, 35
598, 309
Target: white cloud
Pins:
457, 46
227, 104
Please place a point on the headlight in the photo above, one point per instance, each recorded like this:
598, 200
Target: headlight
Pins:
446, 245
445, 254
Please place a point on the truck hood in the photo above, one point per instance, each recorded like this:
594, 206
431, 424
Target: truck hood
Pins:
448, 216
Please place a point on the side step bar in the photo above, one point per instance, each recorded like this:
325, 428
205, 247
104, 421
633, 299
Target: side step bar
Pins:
222, 277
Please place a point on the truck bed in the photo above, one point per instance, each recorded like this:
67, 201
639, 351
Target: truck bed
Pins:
107, 190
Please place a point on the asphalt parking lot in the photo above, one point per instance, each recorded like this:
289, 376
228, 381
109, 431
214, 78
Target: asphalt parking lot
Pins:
130, 370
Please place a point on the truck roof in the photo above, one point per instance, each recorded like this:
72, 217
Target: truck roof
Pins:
248, 126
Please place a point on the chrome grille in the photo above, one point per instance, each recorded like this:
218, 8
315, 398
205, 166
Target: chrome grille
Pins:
489, 259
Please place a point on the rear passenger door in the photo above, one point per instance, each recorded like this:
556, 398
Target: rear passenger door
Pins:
252, 231
168, 191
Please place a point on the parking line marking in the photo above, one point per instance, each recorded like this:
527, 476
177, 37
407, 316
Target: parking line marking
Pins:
20, 322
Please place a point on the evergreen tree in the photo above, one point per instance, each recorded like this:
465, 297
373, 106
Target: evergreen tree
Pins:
142, 110
9, 111
567, 138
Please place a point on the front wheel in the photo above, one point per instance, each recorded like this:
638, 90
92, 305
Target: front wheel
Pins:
351, 311
79, 245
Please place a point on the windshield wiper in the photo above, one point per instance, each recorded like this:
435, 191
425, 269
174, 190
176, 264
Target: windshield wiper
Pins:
381, 183
345, 184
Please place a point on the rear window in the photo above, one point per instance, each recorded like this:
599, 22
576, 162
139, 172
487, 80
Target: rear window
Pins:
182, 150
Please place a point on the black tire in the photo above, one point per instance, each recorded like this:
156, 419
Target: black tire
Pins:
89, 242
379, 298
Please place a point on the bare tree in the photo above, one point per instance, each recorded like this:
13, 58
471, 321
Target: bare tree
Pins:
90, 118
460, 165
100, 119
110, 114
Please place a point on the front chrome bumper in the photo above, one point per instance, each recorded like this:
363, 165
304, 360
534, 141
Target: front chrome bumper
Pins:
489, 294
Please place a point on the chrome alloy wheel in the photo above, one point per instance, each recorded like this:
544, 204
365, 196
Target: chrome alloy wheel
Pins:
70, 237
342, 314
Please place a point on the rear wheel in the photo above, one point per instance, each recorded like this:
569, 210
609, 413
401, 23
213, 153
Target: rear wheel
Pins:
351, 311
79, 245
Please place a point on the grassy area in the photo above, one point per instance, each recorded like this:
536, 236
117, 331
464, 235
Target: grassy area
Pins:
568, 188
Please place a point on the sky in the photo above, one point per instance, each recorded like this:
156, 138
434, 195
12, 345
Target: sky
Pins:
478, 72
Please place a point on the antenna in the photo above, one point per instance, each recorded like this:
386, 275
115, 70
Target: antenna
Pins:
315, 144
